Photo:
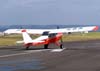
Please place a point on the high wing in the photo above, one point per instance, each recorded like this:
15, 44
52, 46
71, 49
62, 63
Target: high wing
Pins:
63, 30
76, 29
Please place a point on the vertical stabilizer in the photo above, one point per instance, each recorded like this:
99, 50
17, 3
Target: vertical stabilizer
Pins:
26, 37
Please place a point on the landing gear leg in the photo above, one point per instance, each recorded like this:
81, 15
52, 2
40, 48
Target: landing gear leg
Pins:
46, 46
60, 45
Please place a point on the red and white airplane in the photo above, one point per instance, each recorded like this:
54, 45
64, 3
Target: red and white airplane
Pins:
45, 39
49, 36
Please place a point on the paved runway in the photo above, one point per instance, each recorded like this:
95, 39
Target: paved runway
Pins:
76, 56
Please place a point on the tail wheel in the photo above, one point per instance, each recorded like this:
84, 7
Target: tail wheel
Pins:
46, 46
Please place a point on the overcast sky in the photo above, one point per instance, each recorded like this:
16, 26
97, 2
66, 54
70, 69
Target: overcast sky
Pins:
75, 12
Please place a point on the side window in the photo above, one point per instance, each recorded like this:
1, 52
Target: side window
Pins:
45, 33
52, 35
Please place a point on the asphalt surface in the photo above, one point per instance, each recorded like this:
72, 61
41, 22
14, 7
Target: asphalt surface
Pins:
76, 56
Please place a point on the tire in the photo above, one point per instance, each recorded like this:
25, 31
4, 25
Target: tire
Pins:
61, 46
27, 47
46, 46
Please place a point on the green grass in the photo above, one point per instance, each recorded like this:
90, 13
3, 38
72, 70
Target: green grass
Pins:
82, 37
11, 39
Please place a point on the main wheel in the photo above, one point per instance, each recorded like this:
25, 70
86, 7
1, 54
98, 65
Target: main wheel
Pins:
46, 46
61, 46
27, 47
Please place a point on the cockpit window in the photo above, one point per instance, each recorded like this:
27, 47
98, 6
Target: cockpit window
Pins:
45, 33
52, 34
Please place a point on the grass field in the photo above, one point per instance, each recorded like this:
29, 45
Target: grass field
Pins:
11, 39
82, 37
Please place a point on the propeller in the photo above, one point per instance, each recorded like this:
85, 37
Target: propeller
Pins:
61, 40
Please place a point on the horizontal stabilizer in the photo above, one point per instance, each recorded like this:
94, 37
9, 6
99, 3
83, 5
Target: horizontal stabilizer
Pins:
33, 41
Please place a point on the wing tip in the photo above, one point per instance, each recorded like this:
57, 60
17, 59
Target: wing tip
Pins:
96, 28
24, 30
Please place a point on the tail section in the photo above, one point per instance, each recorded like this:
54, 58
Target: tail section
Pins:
26, 37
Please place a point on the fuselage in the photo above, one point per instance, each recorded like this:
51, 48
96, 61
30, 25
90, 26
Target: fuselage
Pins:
52, 38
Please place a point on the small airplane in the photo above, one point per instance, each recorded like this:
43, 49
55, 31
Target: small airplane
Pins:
49, 36
45, 39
